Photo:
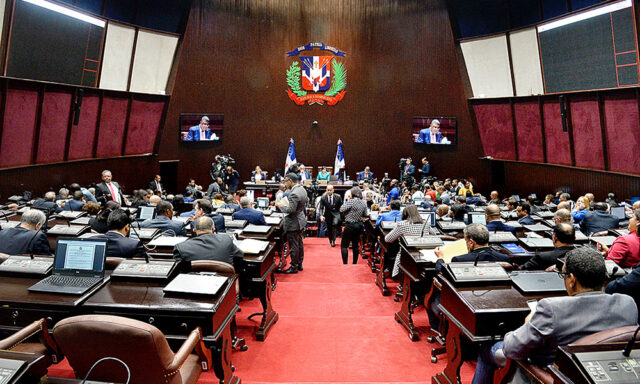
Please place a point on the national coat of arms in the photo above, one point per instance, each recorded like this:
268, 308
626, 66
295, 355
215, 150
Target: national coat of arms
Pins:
320, 79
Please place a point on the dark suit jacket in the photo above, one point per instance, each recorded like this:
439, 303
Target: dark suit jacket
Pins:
527, 220
328, 211
120, 246
545, 259
102, 190
98, 226
215, 188
218, 222
73, 205
207, 247
22, 241
410, 171
362, 176
499, 226
485, 254
629, 285
597, 221
152, 185
165, 224
253, 216
296, 214
44, 206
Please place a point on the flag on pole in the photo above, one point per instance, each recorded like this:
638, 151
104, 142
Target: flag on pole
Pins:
291, 157
339, 163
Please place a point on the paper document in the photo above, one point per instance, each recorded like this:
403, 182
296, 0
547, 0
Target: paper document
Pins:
252, 246
167, 241
428, 255
453, 249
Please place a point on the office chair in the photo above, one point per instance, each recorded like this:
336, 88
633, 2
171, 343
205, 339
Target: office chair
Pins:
46, 347
222, 267
141, 346
540, 375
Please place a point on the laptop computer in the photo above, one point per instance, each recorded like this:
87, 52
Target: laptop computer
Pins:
533, 282
145, 212
619, 212
77, 267
477, 218
9, 368
262, 202
429, 217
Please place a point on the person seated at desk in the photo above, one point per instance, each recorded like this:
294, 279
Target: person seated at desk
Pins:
323, 175
218, 200
394, 192
155, 200
99, 223
465, 186
598, 220
431, 135
406, 197
216, 187
258, 175
459, 209
231, 203
444, 195
203, 207
47, 203
231, 180
393, 215
581, 209
476, 237
163, 220
201, 132
26, 238
524, 214
253, 216
562, 320
625, 250
193, 190
494, 224
564, 235
119, 244
443, 210
412, 224
472, 199
304, 173
365, 175
76, 203
139, 198
207, 245
495, 198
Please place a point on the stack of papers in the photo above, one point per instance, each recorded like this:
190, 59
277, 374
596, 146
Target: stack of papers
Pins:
252, 246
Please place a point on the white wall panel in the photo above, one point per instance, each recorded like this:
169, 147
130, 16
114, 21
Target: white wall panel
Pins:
526, 62
487, 62
152, 62
118, 49
3, 4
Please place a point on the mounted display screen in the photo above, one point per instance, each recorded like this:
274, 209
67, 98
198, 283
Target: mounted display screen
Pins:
435, 130
201, 127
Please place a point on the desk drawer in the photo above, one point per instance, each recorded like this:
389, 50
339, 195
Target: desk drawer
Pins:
21, 317
168, 324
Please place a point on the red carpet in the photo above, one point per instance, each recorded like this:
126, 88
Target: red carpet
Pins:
334, 327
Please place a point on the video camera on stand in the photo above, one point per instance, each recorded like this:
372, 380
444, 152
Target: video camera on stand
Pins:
218, 168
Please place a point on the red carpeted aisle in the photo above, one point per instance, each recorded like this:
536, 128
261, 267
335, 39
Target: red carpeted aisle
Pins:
334, 327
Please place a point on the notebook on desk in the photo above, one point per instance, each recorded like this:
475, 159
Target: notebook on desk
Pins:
252, 228
252, 246
273, 220
235, 223
145, 213
78, 266
167, 241
537, 281
196, 284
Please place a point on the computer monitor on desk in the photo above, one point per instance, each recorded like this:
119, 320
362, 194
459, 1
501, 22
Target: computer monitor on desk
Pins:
477, 218
262, 202
619, 212
146, 212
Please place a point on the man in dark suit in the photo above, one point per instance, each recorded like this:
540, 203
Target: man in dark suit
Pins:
564, 235
253, 216
155, 184
207, 245
628, 285
48, 203
108, 189
163, 220
494, 224
76, 203
425, 170
216, 187
193, 190
203, 207
524, 211
231, 203
562, 320
231, 180
409, 170
598, 220
366, 174
119, 244
431, 135
330, 212
295, 220
27, 237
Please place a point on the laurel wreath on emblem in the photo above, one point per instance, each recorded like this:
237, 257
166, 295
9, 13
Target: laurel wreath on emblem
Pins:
338, 83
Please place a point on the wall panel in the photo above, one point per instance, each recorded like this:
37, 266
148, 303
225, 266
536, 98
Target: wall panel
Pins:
152, 62
529, 133
623, 135
587, 134
496, 130
143, 126
557, 142
83, 134
53, 126
116, 62
18, 131
112, 123
487, 62
526, 62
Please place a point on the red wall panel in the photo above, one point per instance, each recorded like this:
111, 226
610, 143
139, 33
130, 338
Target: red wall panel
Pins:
557, 142
83, 134
18, 127
623, 135
112, 121
528, 130
496, 130
53, 127
587, 135
144, 122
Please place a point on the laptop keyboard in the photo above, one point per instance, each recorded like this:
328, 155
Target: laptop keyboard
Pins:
75, 281
6, 375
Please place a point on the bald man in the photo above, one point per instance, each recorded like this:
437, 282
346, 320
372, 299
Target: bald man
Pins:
494, 224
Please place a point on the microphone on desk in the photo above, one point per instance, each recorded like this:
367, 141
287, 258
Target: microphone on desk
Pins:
629, 347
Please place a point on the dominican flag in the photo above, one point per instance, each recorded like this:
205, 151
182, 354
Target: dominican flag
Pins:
291, 157
339, 163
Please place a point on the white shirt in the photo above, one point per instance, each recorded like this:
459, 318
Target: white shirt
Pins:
116, 190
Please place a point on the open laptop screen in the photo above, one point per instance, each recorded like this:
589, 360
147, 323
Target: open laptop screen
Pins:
477, 218
619, 212
80, 256
145, 212
263, 202
429, 217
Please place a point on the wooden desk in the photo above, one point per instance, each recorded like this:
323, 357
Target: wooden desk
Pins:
268, 236
566, 371
175, 315
479, 313
383, 248
256, 281
417, 273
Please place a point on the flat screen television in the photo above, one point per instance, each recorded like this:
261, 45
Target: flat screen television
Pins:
201, 127
445, 130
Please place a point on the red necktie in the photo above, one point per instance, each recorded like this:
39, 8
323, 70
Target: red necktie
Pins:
113, 193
